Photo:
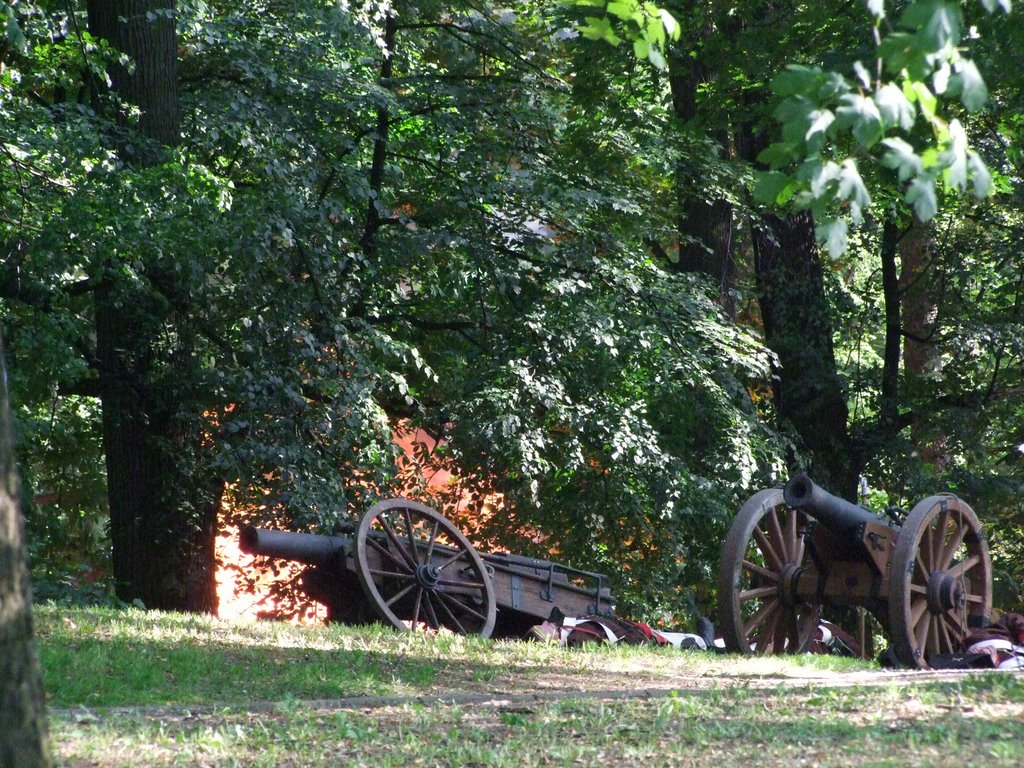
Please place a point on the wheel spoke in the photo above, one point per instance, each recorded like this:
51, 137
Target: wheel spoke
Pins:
399, 595
775, 533
392, 574
799, 556
416, 609
954, 544
947, 641
428, 604
758, 618
457, 556
412, 537
377, 546
444, 607
921, 630
430, 544
766, 549
446, 598
939, 542
809, 625
792, 636
958, 625
791, 539
763, 643
782, 628
402, 549
970, 597
761, 571
459, 584
921, 590
917, 610
758, 592
962, 567
934, 643
919, 561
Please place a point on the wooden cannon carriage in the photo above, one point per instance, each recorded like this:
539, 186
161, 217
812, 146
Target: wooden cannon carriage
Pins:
408, 566
791, 551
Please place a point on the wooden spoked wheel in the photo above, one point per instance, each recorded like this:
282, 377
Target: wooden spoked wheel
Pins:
419, 571
763, 559
940, 582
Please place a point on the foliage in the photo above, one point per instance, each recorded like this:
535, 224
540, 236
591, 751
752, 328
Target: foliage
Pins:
920, 76
462, 218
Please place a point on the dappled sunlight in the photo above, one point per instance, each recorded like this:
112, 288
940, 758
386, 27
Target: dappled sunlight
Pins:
249, 589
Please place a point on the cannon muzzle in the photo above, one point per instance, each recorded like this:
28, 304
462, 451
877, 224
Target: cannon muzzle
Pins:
305, 548
838, 515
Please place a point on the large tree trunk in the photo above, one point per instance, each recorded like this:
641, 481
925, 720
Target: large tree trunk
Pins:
809, 395
162, 505
23, 738
706, 227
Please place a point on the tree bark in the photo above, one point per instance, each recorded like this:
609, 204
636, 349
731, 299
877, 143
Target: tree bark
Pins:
143, 29
163, 505
918, 282
809, 395
23, 732
705, 227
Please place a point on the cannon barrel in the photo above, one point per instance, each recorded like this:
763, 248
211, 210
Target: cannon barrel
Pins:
838, 515
305, 548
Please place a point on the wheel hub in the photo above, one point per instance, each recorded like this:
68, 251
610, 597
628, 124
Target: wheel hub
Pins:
789, 579
428, 576
945, 592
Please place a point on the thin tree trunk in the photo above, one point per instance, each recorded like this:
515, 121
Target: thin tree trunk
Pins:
889, 406
919, 285
380, 144
23, 733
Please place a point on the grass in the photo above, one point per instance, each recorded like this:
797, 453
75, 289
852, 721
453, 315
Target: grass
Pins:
263, 686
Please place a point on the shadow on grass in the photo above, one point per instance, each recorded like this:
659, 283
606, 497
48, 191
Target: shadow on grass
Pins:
125, 658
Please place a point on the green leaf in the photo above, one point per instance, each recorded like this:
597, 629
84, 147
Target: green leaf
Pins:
954, 157
851, 188
15, 36
921, 195
599, 29
925, 99
778, 154
796, 79
936, 23
901, 156
773, 187
981, 179
655, 57
894, 108
833, 233
641, 48
862, 114
820, 120
670, 23
626, 11
971, 85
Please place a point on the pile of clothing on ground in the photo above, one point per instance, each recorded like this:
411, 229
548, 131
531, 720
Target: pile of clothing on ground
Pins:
1000, 645
575, 631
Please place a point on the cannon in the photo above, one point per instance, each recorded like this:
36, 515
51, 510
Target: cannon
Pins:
406, 565
793, 551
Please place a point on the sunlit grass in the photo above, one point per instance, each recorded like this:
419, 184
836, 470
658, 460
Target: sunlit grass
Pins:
266, 694
104, 657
